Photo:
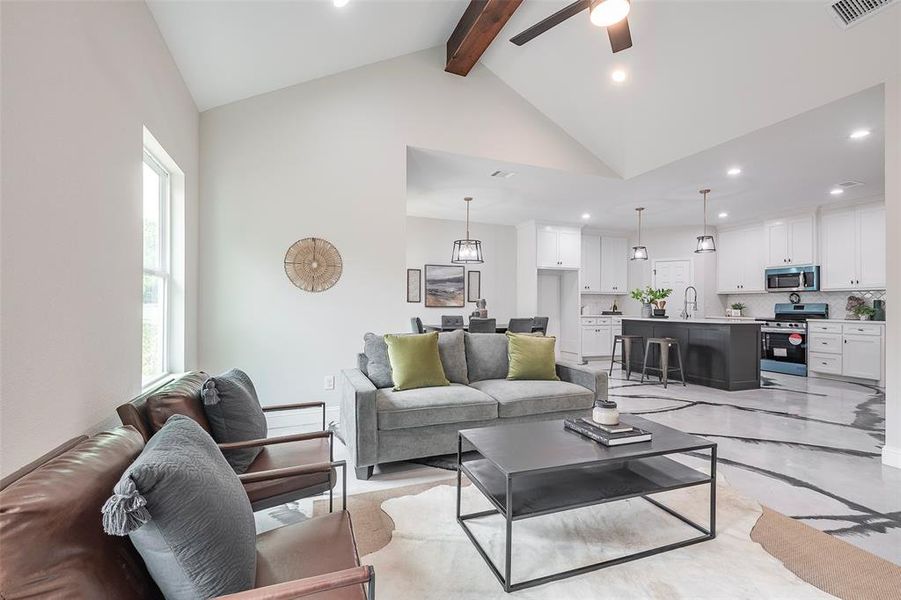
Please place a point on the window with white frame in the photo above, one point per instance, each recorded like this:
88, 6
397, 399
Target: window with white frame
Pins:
157, 273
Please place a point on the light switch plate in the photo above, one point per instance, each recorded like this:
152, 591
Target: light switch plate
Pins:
329, 383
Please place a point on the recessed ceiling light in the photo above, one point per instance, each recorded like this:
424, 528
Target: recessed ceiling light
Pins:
723, 215
836, 191
618, 76
340, 3
859, 133
586, 216
734, 171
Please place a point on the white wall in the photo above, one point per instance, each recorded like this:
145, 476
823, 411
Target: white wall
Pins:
79, 80
891, 453
328, 158
430, 241
675, 243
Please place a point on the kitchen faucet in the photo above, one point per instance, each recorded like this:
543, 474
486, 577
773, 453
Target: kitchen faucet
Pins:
694, 303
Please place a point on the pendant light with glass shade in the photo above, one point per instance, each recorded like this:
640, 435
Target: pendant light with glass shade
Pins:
639, 252
467, 251
705, 242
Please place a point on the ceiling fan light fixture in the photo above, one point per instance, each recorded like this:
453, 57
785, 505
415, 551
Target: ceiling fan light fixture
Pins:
467, 251
605, 13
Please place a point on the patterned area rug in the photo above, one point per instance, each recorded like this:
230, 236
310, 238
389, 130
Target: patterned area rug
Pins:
418, 549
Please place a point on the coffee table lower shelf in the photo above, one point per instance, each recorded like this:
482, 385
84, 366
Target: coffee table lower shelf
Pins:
533, 494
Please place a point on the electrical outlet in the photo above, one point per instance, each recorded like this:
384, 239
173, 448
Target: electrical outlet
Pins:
329, 382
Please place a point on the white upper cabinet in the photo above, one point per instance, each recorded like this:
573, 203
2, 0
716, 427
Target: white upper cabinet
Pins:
614, 265
790, 242
853, 249
558, 247
740, 260
591, 263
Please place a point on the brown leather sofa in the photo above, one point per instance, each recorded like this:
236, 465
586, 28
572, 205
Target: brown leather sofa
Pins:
52, 542
182, 396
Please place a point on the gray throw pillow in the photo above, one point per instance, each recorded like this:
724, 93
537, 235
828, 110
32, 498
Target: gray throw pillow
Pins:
187, 514
452, 351
486, 356
378, 367
235, 415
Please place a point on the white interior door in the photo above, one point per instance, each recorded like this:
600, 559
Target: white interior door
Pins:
675, 274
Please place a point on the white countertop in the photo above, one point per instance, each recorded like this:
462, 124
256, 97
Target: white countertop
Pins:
854, 321
603, 316
703, 321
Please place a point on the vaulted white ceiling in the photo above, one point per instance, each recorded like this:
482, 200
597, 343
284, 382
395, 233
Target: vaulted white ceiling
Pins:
787, 167
700, 73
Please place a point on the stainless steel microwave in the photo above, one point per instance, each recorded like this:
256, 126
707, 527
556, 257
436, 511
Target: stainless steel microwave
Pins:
793, 279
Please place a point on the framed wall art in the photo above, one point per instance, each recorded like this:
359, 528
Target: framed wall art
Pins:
473, 286
414, 285
444, 286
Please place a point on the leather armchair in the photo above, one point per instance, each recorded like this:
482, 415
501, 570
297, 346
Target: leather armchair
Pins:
182, 396
53, 544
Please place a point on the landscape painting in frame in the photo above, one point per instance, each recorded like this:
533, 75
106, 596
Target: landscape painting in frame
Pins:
444, 286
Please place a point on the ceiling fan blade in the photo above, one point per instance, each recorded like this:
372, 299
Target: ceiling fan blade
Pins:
620, 36
552, 21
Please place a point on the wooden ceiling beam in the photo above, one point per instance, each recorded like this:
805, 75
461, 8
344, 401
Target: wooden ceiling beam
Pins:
479, 25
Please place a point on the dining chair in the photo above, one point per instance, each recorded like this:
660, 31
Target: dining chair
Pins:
522, 325
482, 325
451, 322
416, 325
539, 324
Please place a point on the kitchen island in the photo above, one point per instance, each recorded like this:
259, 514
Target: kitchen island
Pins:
719, 353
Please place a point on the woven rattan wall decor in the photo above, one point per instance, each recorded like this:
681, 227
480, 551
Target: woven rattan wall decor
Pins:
313, 264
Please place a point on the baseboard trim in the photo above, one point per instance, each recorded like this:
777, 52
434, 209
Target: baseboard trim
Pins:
891, 456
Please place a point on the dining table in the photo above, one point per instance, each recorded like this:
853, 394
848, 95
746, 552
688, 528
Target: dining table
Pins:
499, 328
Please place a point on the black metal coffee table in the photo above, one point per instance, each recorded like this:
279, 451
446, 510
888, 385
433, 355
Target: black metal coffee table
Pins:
531, 469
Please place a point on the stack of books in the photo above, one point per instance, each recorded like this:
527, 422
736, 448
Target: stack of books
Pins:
608, 435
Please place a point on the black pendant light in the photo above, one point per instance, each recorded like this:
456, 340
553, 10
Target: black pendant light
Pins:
467, 251
639, 252
705, 242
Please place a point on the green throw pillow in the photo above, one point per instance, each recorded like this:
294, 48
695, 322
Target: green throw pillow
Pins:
415, 362
531, 357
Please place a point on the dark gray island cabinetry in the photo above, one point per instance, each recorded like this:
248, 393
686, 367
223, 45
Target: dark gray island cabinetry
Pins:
717, 353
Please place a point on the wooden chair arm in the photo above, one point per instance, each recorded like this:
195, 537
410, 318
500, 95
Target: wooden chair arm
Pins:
297, 406
322, 467
282, 439
308, 586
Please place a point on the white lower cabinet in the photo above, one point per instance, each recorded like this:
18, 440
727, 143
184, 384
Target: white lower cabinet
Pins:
848, 349
597, 336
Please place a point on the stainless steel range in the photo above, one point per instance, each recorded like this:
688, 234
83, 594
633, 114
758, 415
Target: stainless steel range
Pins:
783, 338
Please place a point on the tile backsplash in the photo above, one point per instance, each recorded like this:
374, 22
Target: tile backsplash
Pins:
593, 304
761, 305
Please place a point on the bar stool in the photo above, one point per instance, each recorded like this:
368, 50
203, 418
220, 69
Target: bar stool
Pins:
626, 358
663, 344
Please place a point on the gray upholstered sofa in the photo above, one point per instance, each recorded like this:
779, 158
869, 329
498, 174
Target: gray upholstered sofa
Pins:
380, 425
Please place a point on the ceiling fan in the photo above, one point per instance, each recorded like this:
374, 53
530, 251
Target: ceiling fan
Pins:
603, 13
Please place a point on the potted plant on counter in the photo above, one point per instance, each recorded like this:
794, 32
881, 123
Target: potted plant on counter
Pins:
736, 308
864, 312
649, 296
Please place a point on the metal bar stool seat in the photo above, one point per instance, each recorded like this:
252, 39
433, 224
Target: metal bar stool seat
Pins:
625, 359
664, 345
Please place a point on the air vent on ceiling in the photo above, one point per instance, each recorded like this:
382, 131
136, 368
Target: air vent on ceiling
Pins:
851, 12
849, 184
503, 174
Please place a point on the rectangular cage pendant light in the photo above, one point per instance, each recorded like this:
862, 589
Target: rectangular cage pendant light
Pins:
467, 251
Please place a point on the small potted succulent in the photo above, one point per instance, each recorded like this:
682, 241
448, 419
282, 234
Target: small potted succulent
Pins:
864, 312
736, 308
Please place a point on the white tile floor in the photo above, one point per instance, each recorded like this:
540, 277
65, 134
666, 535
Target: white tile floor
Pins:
806, 447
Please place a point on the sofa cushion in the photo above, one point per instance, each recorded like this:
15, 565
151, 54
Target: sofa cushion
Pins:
233, 410
378, 367
179, 397
486, 356
432, 406
53, 545
187, 513
531, 357
415, 361
522, 397
452, 350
